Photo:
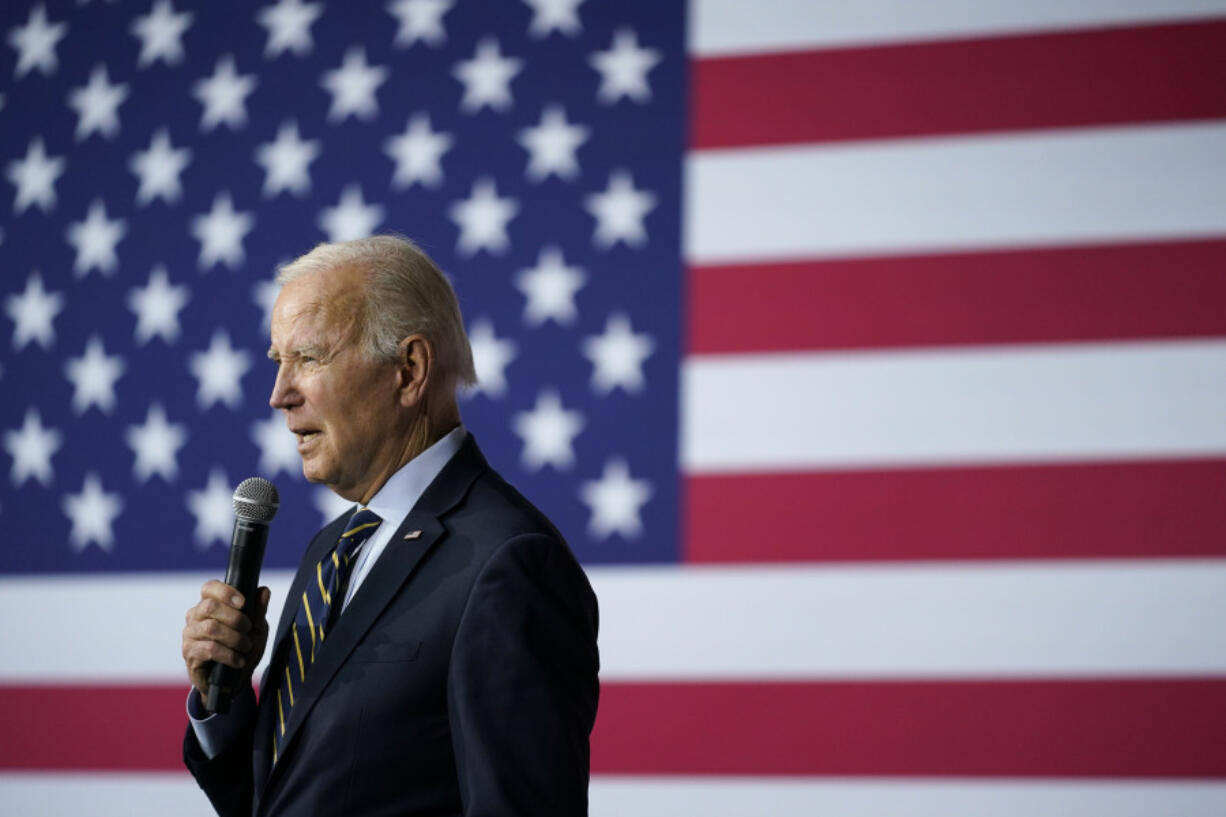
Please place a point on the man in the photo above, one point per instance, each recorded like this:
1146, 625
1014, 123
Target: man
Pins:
437, 652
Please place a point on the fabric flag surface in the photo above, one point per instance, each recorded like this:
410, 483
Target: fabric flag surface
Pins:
871, 356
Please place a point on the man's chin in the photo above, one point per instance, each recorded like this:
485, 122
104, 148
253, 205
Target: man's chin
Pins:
312, 473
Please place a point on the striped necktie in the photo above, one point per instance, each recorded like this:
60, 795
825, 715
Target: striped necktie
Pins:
322, 600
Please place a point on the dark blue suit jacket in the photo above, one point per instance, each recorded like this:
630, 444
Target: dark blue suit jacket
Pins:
461, 678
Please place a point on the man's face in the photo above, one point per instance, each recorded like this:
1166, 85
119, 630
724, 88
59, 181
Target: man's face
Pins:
342, 407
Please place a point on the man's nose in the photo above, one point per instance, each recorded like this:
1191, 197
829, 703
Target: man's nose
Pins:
284, 395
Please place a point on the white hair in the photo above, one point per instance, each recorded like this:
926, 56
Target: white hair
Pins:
406, 294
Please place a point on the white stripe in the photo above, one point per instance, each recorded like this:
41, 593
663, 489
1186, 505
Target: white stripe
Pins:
890, 797
121, 627
98, 794
157, 795
1052, 402
972, 192
719, 27
1022, 619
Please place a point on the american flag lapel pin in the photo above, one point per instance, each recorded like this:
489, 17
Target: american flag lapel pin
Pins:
413, 534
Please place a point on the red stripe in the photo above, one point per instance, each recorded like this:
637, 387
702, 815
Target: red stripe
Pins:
1126, 509
128, 727
1150, 73
1068, 728
1070, 294
1134, 728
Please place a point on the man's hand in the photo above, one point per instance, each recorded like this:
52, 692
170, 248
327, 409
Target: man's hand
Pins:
217, 630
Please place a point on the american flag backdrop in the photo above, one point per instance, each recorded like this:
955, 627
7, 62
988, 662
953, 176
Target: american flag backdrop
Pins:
870, 355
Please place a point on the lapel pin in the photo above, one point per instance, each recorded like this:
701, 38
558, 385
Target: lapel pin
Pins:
413, 534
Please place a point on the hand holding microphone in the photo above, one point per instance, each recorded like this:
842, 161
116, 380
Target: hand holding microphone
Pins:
226, 631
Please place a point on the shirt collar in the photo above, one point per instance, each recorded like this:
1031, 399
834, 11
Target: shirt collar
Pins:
400, 493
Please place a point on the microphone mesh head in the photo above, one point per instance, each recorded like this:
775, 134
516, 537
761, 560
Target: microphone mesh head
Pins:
256, 500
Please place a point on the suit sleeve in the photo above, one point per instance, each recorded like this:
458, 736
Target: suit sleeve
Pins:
522, 686
227, 778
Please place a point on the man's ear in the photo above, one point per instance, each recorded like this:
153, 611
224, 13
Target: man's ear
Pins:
416, 364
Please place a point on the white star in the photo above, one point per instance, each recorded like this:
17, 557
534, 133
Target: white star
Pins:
93, 377
97, 105
353, 86
35, 43
213, 507
224, 95
487, 77
548, 432
418, 153
32, 313
157, 307
617, 356
219, 371
615, 500
32, 448
491, 355
289, 26
265, 293
623, 68
482, 219
330, 505
553, 144
161, 34
95, 239
159, 168
92, 512
619, 212
278, 446
351, 218
554, 15
221, 232
285, 161
420, 20
550, 289
34, 176
156, 445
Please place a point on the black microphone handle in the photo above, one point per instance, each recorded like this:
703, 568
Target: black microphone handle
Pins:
243, 574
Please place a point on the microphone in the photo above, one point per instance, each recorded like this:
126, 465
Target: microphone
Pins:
255, 504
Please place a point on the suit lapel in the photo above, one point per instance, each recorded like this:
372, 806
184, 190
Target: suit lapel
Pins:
391, 571
416, 535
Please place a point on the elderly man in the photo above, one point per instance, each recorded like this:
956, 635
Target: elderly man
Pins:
437, 652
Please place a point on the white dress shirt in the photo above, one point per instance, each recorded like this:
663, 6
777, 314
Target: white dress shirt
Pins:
392, 503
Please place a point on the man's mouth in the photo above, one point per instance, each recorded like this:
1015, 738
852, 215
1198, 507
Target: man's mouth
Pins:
304, 435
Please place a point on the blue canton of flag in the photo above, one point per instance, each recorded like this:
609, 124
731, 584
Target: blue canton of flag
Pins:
160, 159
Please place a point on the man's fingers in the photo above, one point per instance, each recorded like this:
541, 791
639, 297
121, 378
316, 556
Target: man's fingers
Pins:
220, 591
199, 653
212, 608
216, 630
211, 629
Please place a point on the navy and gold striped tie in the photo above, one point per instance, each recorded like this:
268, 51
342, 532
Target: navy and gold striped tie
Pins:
321, 603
